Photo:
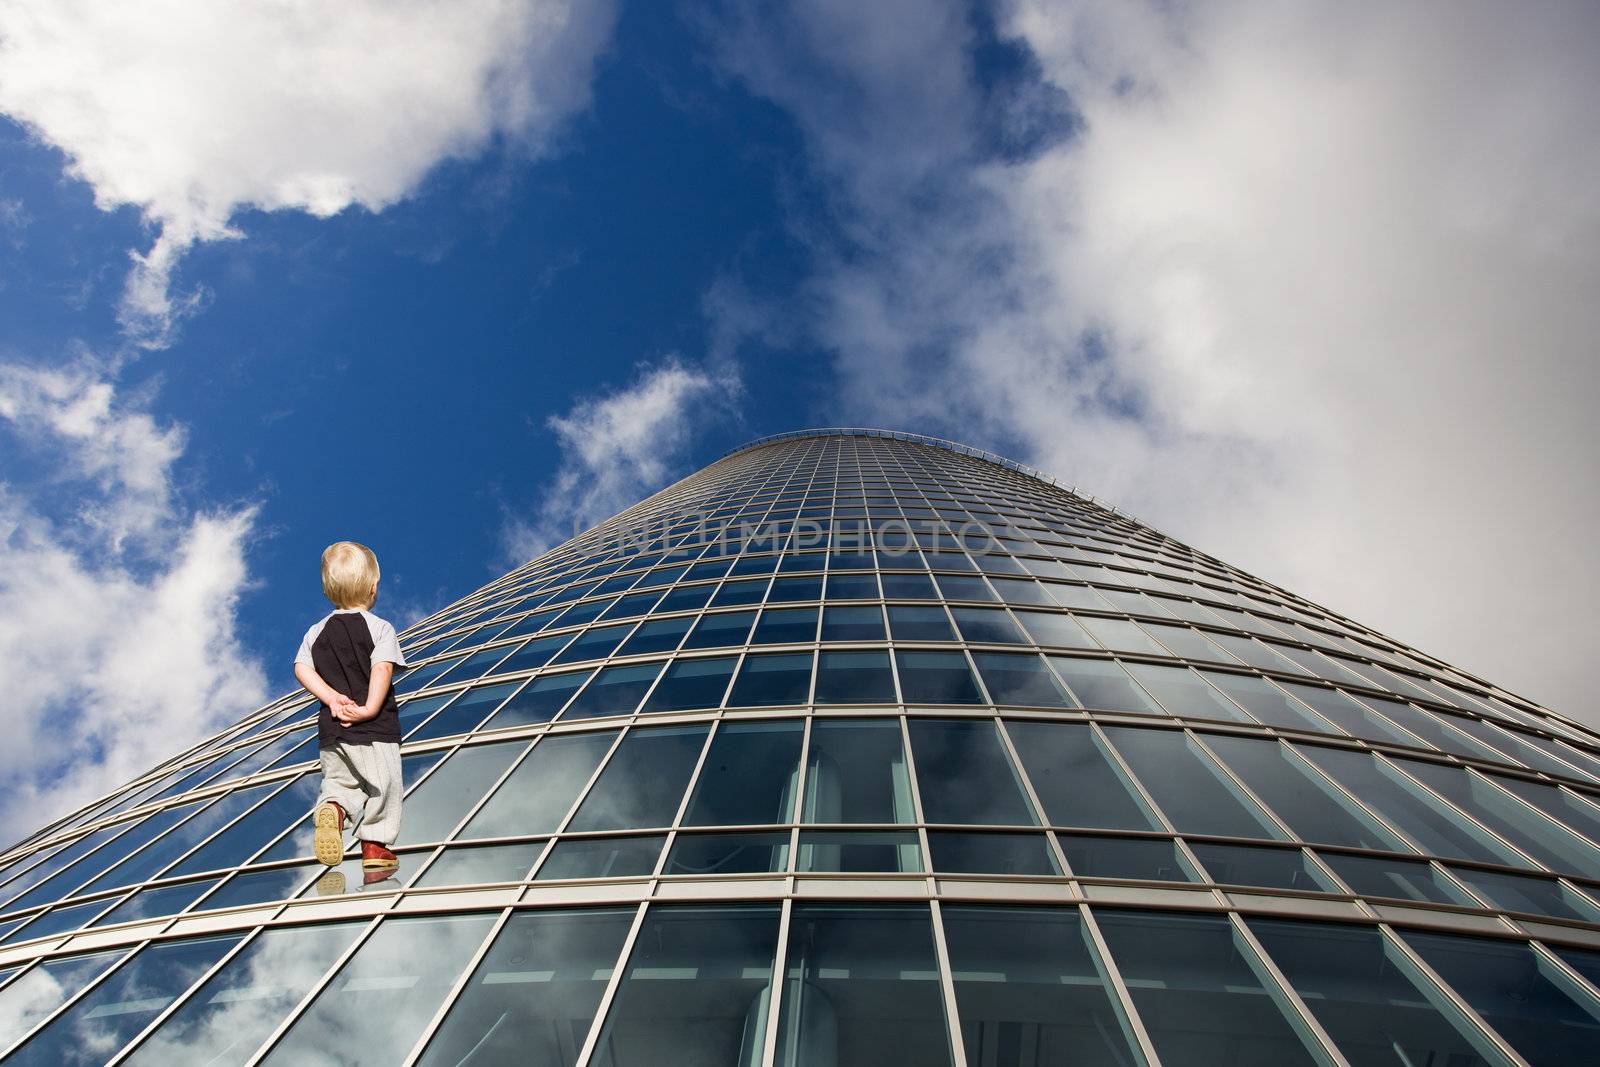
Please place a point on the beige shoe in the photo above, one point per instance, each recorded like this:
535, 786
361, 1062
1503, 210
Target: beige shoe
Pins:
327, 842
331, 884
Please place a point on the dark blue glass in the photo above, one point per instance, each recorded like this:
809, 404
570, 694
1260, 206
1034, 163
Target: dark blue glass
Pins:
937, 678
854, 678
692, 683
785, 626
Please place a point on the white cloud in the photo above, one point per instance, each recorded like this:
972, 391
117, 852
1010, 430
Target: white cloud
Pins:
619, 447
1309, 287
192, 112
118, 644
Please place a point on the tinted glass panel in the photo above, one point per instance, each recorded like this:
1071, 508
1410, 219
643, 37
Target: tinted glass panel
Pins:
433, 810
1092, 856
27, 1000
1016, 678
1201, 993
991, 853
1314, 810
1030, 990
596, 643
1270, 868
1539, 896
856, 772
1075, 779
662, 635
382, 999
916, 623
614, 691
534, 995
854, 678
707, 854
538, 701
696, 982
1195, 795
852, 624
720, 631
228, 1017
490, 863
1102, 684
964, 774
1375, 1004
643, 782
1183, 692
602, 857
1532, 1005
692, 683
990, 625
1401, 879
780, 678
117, 1009
1529, 830
937, 678
465, 712
749, 776
863, 851
252, 832
1266, 702
861, 989
538, 794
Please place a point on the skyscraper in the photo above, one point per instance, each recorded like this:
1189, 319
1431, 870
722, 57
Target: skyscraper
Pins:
854, 748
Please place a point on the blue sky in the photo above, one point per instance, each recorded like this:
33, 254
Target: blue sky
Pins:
1309, 289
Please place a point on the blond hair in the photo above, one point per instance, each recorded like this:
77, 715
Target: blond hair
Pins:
349, 574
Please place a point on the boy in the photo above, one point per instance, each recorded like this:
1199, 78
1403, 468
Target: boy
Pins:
347, 661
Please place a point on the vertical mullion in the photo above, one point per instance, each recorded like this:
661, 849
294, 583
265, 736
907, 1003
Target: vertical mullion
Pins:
617, 976
1430, 982
947, 987
313, 993
780, 971
454, 993
1112, 975
1304, 1022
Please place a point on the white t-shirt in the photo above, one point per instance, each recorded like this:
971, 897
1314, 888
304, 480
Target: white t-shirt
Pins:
385, 645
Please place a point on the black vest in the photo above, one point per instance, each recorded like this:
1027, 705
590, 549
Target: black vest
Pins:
342, 654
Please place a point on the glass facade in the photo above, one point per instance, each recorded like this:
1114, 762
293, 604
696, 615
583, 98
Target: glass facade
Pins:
853, 748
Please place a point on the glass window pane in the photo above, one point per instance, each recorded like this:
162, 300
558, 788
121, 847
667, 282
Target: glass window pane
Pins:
1184, 693
1120, 635
1195, 795
908, 586
257, 887
595, 643
486, 863
643, 781
749, 776
1021, 591
854, 678
614, 691
863, 623
856, 772
694, 990
435, 807
962, 587
1524, 827
385, 996
1375, 1004
538, 701
538, 794
1102, 684
252, 832
1054, 629
660, 635
45, 988
988, 625
785, 626
1020, 678
690, 598
692, 683
1525, 893
1093, 856
1074, 779
1269, 868
707, 854
173, 843
964, 774
789, 590
228, 1017
1397, 878
859, 851
533, 997
465, 712
602, 857
1354, 717
160, 900
533, 655
1187, 643
1030, 989
721, 630
1435, 826
1200, 991
911, 622
116, 1010
1314, 810
1265, 701
937, 678
779, 678
852, 587
991, 853
1538, 1010
861, 989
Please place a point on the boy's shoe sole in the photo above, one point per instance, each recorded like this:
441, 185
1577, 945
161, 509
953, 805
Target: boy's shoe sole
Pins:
327, 842
380, 865
331, 884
